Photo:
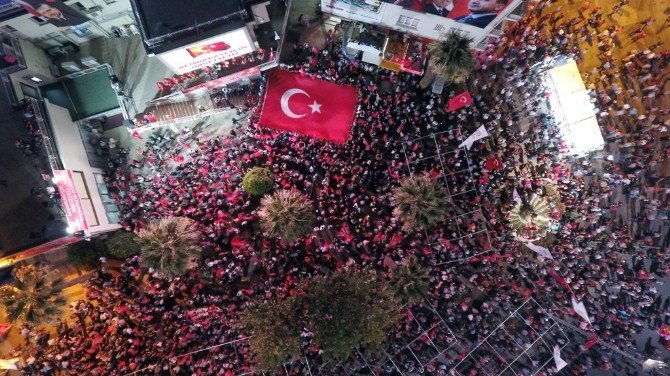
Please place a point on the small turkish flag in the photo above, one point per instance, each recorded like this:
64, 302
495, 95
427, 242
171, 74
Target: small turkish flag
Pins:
493, 163
461, 100
178, 158
136, 135
592, 341
313, 107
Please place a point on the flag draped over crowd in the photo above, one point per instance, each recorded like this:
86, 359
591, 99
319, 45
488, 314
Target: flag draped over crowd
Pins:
310, 106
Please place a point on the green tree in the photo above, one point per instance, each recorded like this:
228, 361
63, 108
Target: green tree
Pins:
450, 58
410, 281
122, 244
286, 214
258, 181
274, 325
349, 309
31, 297
169, 245
86, 254
420, 202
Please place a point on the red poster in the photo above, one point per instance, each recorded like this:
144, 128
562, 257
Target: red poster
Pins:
70, 201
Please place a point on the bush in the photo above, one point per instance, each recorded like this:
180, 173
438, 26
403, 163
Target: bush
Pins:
122, 245
258, 181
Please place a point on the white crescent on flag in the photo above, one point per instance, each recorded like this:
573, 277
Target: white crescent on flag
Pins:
284, 102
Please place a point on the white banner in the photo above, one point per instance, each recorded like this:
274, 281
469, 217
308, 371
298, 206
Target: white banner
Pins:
560, 363
516, 197
544, 252
477, 135
580, 309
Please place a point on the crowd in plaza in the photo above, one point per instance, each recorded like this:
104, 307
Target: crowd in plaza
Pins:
610, 250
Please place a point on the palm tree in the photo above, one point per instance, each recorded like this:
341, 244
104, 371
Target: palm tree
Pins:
169, 245
420, 202
410, 281
286, 214
450, 59
32, 298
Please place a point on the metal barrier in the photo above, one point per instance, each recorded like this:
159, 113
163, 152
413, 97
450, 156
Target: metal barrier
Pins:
52, 154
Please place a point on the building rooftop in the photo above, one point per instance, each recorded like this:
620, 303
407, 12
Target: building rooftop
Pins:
181, 22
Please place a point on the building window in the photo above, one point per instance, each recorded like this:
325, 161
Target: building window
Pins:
38, 20
82, 31
109, 1
8, 28
410, 22
111, 209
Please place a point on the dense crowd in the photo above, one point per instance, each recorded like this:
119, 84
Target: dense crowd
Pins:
609, 250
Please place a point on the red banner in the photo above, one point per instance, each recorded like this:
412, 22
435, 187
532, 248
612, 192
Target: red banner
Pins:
222, 81
70, 201
313, 107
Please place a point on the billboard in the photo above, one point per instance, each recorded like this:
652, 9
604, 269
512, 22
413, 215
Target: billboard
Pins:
69, 198
56, 13
477, 13
208, 52
359, 10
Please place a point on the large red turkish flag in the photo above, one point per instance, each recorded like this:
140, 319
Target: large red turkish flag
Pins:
317, 108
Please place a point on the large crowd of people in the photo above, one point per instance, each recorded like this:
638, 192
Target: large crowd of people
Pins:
609, 250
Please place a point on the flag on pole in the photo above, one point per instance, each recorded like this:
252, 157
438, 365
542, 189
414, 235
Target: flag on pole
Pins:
493, 163
477, 135
461, 100
516, 197
313, 107
9, 363
544, 252
580, 309
560, 363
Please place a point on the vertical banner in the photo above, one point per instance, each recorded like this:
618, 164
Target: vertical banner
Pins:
70, 201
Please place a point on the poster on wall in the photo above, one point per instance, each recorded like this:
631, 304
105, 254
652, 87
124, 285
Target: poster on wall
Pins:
359, 10
54, 12
478, 13
208, 52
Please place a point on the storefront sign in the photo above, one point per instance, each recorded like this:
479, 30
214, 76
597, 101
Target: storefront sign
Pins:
208, 52
69, 198
222, 81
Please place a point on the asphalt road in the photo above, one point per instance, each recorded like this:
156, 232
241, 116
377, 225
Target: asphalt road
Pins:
24, 220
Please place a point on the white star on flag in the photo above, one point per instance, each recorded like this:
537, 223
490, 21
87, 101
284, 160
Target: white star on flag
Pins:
316, 107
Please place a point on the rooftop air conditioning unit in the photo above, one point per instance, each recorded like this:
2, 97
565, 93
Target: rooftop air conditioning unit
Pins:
89, 61
95, 15
70, 66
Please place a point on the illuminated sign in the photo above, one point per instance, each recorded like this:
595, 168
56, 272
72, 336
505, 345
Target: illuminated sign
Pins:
208, 52
69, 198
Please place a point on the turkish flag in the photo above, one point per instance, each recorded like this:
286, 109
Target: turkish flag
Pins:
136, 134
313, 107
461, 100
493, 163
592, 341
